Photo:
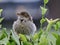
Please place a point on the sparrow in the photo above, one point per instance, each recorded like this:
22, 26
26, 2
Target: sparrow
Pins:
24, 24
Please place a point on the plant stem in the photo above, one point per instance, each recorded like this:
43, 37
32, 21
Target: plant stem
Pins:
42, 16
49, 26
41, 26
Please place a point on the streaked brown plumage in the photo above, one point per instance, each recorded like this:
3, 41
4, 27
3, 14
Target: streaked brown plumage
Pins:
24, 24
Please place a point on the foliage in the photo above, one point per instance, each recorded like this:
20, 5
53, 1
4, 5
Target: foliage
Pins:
48, 35
1, 19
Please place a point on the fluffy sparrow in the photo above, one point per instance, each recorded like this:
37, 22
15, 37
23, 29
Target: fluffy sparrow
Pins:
24, 24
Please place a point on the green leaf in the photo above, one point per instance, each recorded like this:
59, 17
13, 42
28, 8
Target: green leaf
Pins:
35, 37
4, 41
8, 43
1, 11
42, 20
58, 23
43, 40
11, 43
27, 43
0, 25
1, 19
40, 33
11, 40
47, 39
46, 1
22, 37
57, 26
15, 37
58, 40
44, 10
55, 35
51, 39
4, 34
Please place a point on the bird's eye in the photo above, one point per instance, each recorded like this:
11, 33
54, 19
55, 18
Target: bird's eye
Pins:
22, 20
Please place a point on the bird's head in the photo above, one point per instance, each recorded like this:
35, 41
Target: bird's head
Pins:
24, 15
